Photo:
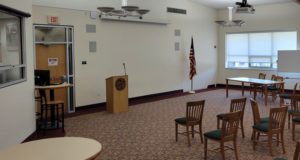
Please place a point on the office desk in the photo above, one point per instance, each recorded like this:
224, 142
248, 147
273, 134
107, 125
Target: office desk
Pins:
51, 88
255, 81
64, 148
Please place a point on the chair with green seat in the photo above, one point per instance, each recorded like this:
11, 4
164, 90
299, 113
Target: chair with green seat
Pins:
194, 114
284, 96
295, 109
256, 116
227, 133
235, 106
277, 88
275, 126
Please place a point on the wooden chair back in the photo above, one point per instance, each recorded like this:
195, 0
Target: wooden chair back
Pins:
238, 105
295, 103
230, 125
262, 76
279, 86
273, 77
297, 151
277, 118
194, 112
255, 112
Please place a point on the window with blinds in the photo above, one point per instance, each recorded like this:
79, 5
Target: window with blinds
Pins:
257, 50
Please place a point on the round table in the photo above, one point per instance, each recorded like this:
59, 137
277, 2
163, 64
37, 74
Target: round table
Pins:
64, 148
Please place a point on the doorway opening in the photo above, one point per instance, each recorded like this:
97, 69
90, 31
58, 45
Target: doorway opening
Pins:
54, 51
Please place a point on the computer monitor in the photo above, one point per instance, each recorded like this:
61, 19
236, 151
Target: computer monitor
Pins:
42, 77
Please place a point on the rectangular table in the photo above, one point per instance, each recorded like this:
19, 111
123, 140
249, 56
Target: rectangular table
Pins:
255, 81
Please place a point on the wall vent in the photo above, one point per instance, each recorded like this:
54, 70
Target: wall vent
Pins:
176, 10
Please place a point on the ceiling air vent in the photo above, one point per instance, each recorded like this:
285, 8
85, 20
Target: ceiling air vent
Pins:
176, 10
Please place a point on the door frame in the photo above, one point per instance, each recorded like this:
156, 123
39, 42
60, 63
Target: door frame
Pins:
69, 59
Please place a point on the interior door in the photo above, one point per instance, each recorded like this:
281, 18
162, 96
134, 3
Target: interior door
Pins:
53, 57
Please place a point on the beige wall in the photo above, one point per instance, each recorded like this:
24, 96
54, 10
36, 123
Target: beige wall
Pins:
17, 111
147, 49
277, 17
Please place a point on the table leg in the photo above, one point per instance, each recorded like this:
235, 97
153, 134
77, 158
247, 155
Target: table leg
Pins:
52, 112
243, 92
226, 88
266, 94
255, 91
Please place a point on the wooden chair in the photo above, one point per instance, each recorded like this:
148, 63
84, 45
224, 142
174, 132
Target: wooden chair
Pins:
194, 114
256, 116
228, 132
235, 106
295, 109
296, 153
294, 113
284, 96
46, 107
276, 89
253, 86
275, 126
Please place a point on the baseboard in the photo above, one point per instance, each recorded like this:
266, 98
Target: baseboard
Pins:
136, 100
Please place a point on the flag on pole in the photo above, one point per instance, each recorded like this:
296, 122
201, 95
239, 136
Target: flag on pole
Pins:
192, 61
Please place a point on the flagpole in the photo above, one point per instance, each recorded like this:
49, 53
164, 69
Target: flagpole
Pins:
192, 82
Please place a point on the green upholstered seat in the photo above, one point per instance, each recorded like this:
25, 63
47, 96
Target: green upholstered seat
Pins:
262, 127
297, 119
280, 159
290, 111
272, 88
285, 96
216, 134
181, 120
264, 120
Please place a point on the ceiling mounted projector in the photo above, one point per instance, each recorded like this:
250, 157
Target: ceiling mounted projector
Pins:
230, 22
244, 7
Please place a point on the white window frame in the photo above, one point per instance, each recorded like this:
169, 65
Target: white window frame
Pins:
249, 56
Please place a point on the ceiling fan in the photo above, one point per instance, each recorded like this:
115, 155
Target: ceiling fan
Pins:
244, 7
230, 22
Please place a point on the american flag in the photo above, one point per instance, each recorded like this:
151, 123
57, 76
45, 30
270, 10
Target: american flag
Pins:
192, 61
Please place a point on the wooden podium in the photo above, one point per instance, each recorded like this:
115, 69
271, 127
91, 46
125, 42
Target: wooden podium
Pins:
117, 94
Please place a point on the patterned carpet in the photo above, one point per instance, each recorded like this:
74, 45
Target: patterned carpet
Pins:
147, 131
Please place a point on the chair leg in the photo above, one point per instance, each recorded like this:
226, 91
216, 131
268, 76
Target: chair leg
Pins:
282, 142
200, 132
235, 150
63, 118
277, 139
193, 133
253, 135
222, 150
205, 148
270, 143
289, 120
293, 130
242, 128
176, 131
254, 139
188, 135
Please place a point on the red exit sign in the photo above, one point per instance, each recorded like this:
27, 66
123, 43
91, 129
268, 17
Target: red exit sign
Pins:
53, 20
